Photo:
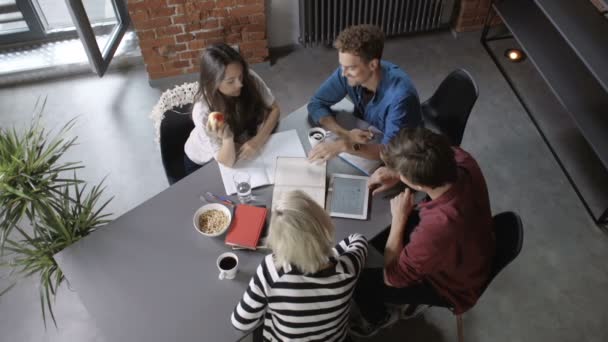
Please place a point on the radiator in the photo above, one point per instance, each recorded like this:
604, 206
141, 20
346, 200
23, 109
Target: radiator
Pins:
322, 20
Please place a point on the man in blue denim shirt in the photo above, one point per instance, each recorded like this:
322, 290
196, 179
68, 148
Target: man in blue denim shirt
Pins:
383, 94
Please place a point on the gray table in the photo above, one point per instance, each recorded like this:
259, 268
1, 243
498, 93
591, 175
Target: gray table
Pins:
149, 276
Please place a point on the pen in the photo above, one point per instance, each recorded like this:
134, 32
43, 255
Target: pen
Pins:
220, 198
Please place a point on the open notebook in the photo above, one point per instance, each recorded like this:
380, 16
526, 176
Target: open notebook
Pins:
261, 169
299, 174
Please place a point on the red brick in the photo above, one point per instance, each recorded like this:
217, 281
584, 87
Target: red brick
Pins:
209, 24
192, 27
253, 60
145, 35
218, 12
254, 35
254, 28
233, 38
136, 6
260, 52
151, 4
196, 44
252, 45
156, 42
153, 23
175, 2
243, 20
247, 10
154, 68
236, 28
161, 12
163, 74
180, 47
153, 58
184, 37
181, 64
257, 19
206, 5
179, 19
139, 16
209, 34
215, 40
224, 3
169, 31
193, 70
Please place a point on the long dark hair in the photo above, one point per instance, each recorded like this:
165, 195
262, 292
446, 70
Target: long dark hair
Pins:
243, 113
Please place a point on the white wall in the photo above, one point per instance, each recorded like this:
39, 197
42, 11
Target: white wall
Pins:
282, 19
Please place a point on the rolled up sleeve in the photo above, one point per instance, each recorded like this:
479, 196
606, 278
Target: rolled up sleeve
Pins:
332, 91
404, 112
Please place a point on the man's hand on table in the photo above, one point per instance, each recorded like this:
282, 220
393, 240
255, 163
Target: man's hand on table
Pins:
327, 150
382, 179
359, 136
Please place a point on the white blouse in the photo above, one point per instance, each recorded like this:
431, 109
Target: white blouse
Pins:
202, 146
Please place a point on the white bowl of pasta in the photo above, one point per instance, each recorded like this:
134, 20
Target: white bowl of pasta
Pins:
212, 219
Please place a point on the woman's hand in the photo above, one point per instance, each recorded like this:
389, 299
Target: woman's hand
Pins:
402, 205
250, 148
223, 132
382, 179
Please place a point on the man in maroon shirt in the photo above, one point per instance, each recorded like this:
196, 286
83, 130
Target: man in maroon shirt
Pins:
440, 254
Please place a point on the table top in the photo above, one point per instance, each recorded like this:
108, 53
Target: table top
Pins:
150, 276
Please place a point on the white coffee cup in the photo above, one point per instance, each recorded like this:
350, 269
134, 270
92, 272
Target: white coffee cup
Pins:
316, 135
228, 264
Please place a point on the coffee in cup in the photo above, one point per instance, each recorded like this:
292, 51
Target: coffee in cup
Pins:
227, 263
316, 135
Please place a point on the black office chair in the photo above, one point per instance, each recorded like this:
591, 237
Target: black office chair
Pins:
174, 131
509, 232
447, 111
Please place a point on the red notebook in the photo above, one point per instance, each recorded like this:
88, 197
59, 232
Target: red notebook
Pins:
247, 226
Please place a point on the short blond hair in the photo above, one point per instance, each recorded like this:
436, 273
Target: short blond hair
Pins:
301, 233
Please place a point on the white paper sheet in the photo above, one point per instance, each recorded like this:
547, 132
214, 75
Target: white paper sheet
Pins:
261, 169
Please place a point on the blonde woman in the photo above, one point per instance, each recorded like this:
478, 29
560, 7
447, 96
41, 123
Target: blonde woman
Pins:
303, 289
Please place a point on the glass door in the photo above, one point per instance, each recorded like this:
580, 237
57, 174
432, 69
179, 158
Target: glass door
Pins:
19, 22
100, 24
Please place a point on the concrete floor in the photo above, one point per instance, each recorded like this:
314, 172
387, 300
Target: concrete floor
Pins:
554, 291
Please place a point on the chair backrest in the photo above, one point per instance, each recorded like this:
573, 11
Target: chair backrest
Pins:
449, 107
509, 233
174, 131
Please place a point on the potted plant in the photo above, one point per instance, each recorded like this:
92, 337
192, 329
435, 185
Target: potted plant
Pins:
44, 207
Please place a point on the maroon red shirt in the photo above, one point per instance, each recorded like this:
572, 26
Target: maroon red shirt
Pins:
453, 245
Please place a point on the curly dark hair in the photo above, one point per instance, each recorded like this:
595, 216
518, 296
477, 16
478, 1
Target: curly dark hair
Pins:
365, 41
422, 157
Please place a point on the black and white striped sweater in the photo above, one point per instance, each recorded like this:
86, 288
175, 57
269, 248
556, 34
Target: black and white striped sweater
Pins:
303, 307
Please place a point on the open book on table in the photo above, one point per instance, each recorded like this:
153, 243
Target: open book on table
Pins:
300, 174
261, 169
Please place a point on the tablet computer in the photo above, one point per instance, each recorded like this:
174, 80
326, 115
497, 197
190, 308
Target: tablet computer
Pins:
348, 196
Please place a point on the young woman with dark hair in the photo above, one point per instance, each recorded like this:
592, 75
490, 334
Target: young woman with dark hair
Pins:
249, 112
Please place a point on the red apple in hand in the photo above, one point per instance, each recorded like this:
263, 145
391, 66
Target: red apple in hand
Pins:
216, 120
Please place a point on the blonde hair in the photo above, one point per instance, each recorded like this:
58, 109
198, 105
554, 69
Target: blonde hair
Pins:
301, 233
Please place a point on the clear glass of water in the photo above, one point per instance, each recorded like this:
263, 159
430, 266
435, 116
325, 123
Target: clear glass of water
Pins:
242, 181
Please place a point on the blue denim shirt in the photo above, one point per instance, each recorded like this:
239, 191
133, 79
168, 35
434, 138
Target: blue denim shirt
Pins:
395, 104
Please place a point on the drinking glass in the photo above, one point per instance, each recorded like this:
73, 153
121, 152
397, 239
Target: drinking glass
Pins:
242, 181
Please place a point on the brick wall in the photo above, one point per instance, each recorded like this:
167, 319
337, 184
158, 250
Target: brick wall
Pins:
172, 33
472, 14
